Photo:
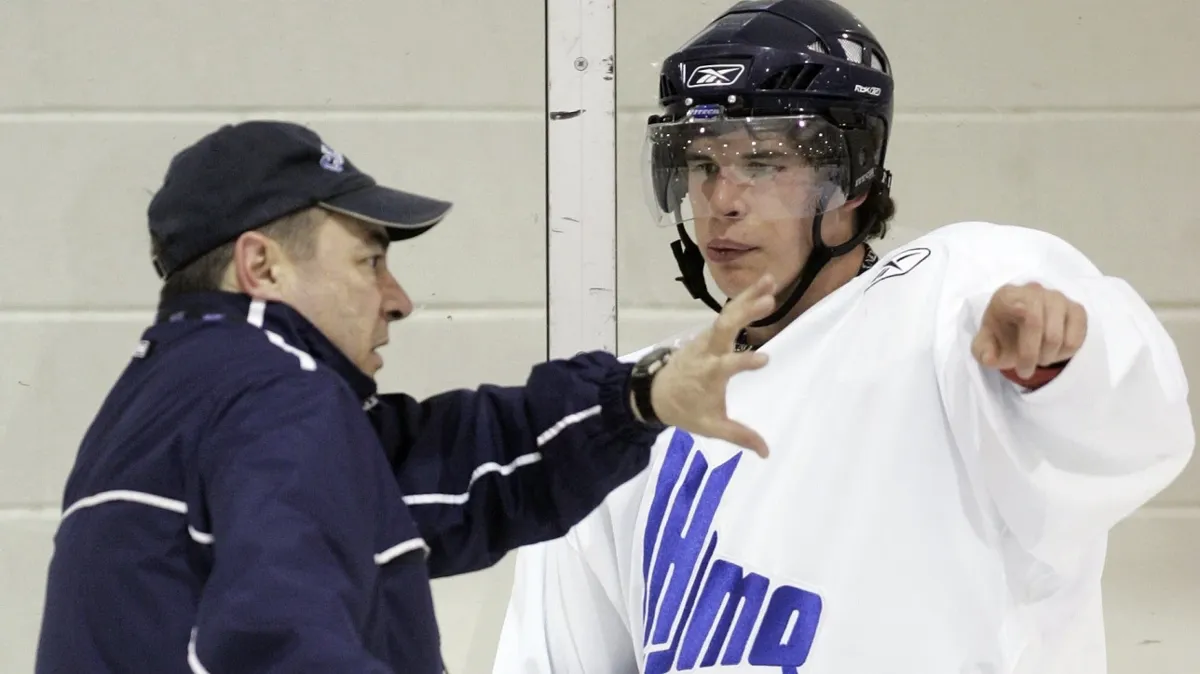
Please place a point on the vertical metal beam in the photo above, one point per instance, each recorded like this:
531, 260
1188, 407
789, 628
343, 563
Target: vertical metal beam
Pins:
581, 190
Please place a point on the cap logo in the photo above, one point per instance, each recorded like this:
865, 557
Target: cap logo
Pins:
331, 159
716, 75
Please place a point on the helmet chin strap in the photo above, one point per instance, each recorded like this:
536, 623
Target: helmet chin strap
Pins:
820, 256
691, 266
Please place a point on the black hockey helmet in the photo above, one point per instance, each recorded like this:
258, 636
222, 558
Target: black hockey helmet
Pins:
804, 71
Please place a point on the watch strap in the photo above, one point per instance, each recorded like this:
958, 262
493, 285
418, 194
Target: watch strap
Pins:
641, 383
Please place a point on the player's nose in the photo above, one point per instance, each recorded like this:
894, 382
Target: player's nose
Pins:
726, 197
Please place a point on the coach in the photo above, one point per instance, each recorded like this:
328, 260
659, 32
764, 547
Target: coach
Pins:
245, 502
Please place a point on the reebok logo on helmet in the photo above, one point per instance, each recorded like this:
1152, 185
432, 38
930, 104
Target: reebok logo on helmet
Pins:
716, 75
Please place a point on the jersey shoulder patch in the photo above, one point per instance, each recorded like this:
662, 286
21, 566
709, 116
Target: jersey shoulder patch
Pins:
899, 263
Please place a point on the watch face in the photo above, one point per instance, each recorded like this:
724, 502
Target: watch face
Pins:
656, 356
652, 362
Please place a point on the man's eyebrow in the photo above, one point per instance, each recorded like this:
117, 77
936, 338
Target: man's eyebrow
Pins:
696, 155
378, 238
768, 154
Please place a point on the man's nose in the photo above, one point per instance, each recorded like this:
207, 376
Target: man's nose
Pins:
725, 197
396, 302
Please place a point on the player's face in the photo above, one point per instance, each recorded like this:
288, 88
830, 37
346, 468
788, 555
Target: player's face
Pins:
753, 200
346, 290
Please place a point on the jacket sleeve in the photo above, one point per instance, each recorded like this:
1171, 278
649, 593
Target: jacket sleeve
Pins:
486, 471
282, 475
1064, 463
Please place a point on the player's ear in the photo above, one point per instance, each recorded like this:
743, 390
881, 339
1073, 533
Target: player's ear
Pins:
854, 203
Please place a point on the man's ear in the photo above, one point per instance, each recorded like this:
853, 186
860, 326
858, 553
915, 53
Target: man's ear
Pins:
256, 266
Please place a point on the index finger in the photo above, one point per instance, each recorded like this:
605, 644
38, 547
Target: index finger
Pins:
1011, 303
1031, 330
1005, 303
753, 303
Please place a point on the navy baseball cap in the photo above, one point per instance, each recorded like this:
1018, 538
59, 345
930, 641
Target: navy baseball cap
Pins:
243, 176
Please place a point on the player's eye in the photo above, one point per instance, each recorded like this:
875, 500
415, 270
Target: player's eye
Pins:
761, 169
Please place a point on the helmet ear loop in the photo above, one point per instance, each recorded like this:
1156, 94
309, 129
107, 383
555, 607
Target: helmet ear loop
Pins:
880, 184
670, 195
817, 259
820, 256
691, 265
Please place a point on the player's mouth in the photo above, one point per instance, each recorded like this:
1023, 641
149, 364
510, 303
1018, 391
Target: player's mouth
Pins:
725, 250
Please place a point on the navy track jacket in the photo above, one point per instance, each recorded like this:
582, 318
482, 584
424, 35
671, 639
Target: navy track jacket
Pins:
245, 503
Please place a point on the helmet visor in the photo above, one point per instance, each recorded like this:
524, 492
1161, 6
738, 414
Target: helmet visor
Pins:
783, 169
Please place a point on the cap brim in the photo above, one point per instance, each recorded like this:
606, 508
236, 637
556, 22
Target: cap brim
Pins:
404, 214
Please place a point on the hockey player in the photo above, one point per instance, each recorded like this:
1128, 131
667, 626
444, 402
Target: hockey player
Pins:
955, 426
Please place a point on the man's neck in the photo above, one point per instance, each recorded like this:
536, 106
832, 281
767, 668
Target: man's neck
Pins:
836, 273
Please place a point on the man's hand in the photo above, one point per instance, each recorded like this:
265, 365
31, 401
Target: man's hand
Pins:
689, 392
1029, 326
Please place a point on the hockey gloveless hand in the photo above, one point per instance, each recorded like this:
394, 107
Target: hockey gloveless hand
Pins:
1029, 326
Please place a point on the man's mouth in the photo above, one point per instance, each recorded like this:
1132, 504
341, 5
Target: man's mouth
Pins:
727, 251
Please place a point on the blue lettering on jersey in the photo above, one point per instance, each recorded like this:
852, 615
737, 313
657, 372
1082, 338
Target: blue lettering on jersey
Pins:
697, 609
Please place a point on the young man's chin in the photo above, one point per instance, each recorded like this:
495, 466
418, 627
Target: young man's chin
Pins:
733, 281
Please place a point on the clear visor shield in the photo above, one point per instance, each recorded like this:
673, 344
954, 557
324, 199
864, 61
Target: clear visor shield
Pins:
767, 169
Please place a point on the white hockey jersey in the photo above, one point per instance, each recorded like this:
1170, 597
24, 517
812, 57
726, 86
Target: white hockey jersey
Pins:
918, 514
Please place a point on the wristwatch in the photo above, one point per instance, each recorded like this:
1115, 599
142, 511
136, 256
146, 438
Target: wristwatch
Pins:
641, 380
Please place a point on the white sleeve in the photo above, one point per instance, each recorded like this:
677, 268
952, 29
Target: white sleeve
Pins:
564, 615
1065, 463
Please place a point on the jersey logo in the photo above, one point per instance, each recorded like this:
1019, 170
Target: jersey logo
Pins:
700, 610
900, 265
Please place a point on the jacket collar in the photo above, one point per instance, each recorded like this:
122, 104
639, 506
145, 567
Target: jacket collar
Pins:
272, 317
